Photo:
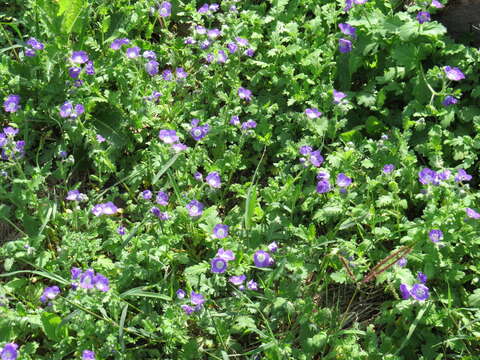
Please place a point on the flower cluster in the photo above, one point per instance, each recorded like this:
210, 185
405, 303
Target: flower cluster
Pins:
170, 137
89, 280
76, 195
428, 176
67, 110
33, 46
80, 58
196, 300
220, 262
345, 44
418, 291
12, 103
11, 149
49, 293
198, 132
107, 208
312, 157
9, 352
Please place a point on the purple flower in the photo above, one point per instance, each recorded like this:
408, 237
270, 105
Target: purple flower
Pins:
199, 132
75, 273
68, 110
220, 231
203, 9
121, 230
405, 292
147, 194
316, 159
155, 211
167, 75
249, 124
213, 179
49, 293
219, 265
472, 214
462, 176
165, 9
76, 195
360, 2
343, 180
181, 73
313, 113
162, 198
437, 4
235, 120
237, 280
9, 352
423, 16
323, 186
419, 292
100, 138
86, 279
387, 169
198, 176
189, 40
427, 176
196, 299
89, 68
213, 34
34, 43
74, 72
187, 309
344, 45
200, 30
195, 208
273, 247
151, 67
444, 175
79, 57
214, 7
227, 255
30, 52
422, 277
101, 283
232, 47
150, 55
449, 100
180, 294
241, 41
88, 355
348, 29
249, 52
402, 262
435, 235
209, 58
133, 52
252, 285
244, 94
222, 57
305, 150
454, 74
12, 103
262, 259
168, 136
338, 96
117, 43
107, 208
348, 5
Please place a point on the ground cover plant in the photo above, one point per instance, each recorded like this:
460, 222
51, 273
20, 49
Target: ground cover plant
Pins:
281, 179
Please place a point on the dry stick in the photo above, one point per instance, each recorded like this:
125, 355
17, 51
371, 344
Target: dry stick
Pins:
378, 270
347, 267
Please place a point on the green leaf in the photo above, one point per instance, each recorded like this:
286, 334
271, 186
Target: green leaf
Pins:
71, 11
164, 168
250, 205
51, 326
139, 292
474, 299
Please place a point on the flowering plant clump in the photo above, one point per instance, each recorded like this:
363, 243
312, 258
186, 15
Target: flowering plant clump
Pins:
238, 179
